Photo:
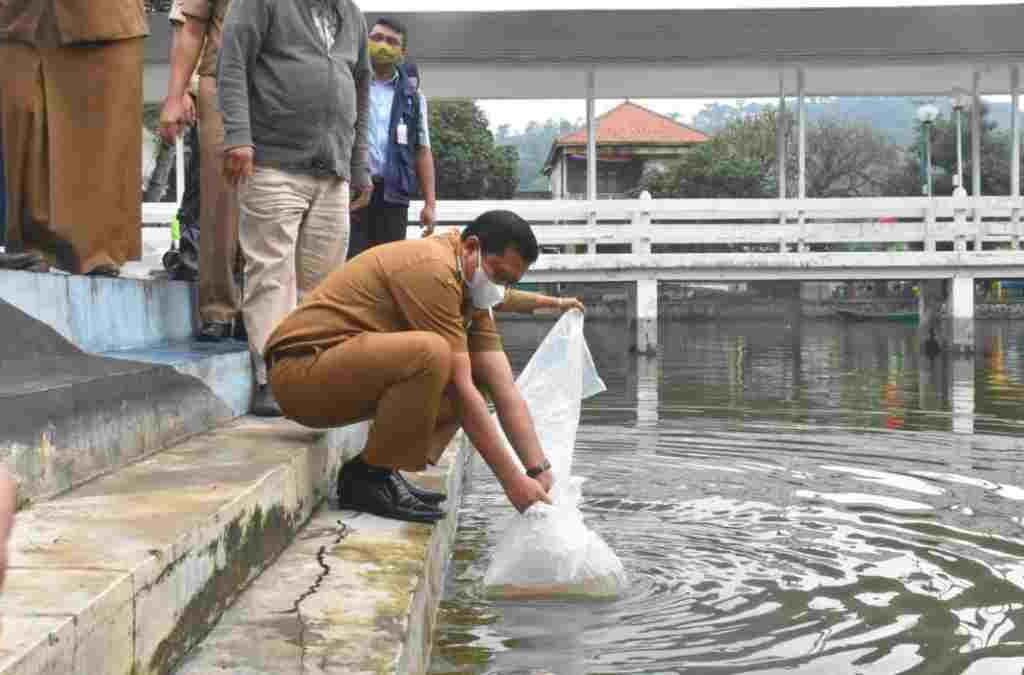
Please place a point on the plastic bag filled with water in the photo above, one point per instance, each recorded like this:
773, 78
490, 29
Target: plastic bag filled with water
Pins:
548, 551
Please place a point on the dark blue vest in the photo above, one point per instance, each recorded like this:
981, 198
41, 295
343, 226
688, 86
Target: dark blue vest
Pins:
400, 175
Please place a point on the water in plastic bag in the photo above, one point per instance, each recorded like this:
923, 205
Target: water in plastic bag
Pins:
548, 551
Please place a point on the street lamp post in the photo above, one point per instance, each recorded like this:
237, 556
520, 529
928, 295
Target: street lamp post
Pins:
961, 99
926, 114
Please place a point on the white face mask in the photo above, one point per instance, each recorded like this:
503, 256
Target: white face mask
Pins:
485, 293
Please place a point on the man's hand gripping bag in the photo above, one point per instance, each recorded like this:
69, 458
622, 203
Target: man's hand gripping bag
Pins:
548, 551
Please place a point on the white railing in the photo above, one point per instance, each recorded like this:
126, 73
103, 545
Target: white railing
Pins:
782, 225
763, 238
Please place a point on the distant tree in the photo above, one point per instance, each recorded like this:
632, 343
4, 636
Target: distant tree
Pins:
738, 162
715, 117
468, 163
844, 159
503, 178
533, 146
995, 158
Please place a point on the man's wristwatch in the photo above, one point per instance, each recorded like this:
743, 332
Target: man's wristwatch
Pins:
534, 471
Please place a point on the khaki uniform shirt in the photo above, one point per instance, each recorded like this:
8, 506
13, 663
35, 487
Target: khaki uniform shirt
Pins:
52, 23
404, 286
211, 13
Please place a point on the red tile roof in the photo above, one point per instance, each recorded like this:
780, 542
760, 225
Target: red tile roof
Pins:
629, 123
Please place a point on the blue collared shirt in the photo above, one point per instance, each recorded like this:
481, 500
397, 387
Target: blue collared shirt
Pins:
382, 95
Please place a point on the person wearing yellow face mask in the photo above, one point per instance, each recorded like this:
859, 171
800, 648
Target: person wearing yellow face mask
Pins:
401, 162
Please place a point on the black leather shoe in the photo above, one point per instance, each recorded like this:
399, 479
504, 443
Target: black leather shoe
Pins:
263, 402
424, 495
30, 262
104, 270
377, 491
214, 331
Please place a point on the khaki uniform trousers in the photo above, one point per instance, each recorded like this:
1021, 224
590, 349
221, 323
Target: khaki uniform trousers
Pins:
219, 297
396, 379
294, 232
72, 121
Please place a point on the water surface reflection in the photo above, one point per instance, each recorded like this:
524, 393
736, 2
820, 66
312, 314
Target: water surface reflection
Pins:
799, 499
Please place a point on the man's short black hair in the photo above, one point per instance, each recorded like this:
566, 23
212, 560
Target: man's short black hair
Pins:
395, 25
497, 230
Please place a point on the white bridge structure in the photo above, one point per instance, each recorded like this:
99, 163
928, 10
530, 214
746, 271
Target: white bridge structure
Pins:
644, 241
732, 49
647, 241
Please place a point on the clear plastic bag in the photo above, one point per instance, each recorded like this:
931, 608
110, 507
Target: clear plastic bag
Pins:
548, 551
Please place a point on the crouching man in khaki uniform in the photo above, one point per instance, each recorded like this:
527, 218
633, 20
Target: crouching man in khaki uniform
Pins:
403, 334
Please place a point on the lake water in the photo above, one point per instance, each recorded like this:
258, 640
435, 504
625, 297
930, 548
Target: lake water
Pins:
815, 497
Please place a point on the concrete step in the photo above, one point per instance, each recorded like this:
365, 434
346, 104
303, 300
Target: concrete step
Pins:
99, 314
67, 418
97, 373
126, 573
353, 594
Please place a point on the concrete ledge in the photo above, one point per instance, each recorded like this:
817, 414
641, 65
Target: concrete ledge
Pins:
67, 416
354, 594
68, 419
127, 573
224, 367
100, 314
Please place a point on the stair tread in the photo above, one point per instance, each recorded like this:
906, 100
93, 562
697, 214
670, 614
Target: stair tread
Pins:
367, 589
87, 555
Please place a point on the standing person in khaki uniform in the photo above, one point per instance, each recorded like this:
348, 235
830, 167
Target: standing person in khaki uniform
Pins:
71, 110
196, 44
293, 84
404, 335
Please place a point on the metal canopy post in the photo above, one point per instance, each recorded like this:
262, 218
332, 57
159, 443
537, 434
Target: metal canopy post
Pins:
780, 135
591, 139
1015, 130
801, 116
976, 136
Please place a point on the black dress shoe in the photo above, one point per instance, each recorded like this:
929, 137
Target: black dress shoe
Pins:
263, 402
377, 491
424, 495
104, 270
30, 262
214, 331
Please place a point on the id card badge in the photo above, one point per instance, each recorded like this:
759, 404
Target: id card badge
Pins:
403, 133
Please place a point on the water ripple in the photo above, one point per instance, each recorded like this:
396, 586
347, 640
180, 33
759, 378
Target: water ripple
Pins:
775, 538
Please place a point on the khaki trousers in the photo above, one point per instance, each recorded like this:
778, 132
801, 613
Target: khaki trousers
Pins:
396, 379
72, 136
294, 232
218, 215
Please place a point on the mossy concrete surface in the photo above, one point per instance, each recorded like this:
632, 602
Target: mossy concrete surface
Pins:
125, 574
354, 593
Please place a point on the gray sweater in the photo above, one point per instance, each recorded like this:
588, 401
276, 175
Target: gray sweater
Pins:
301, 104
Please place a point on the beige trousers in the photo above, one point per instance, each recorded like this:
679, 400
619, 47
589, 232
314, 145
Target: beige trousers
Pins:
396, 379
294, 232
218, 215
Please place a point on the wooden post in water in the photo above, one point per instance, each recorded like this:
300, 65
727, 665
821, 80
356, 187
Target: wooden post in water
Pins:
929, 302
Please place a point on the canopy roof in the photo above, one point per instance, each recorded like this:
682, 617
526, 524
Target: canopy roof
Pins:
706, 53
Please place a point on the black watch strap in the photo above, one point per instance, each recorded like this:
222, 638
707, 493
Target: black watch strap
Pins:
535, 471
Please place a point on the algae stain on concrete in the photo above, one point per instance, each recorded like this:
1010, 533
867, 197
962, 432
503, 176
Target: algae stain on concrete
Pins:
248, 548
